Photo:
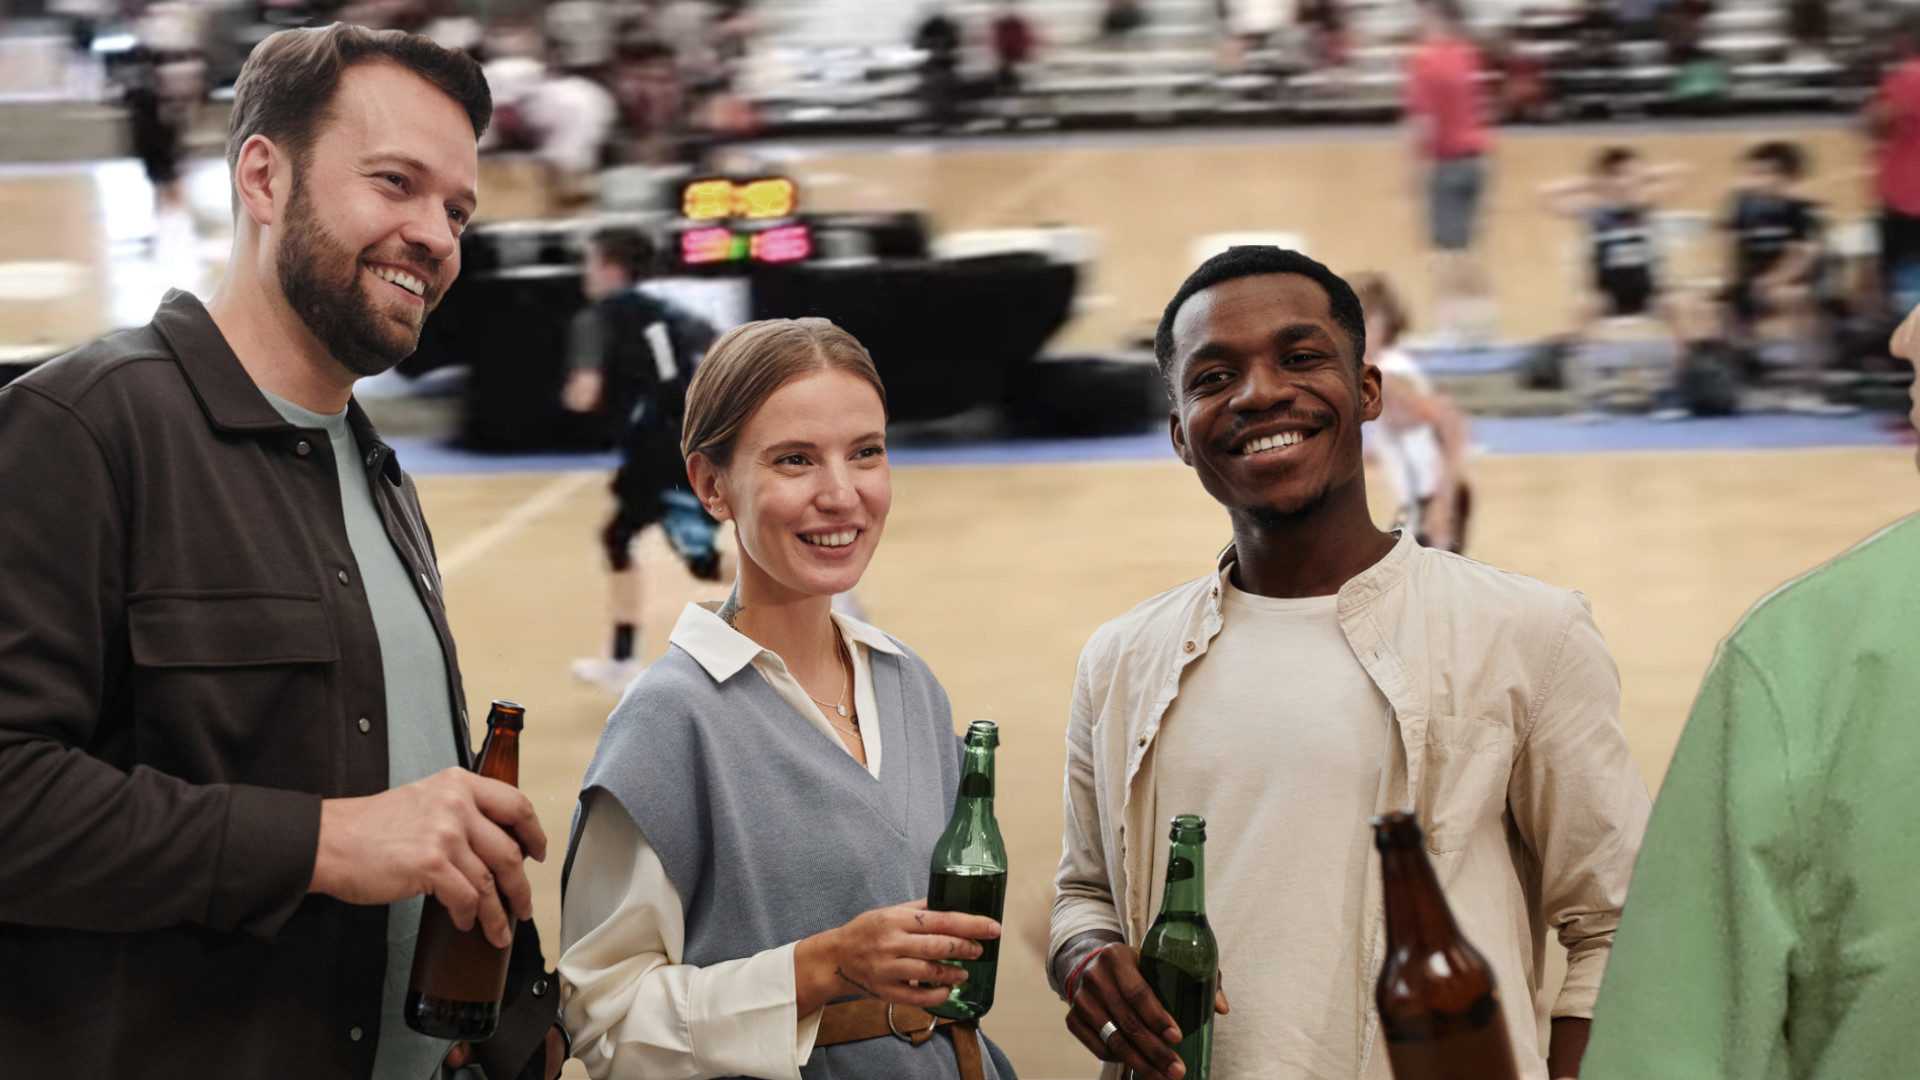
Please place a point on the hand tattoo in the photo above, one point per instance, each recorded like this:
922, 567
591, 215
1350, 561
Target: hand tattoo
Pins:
853, 982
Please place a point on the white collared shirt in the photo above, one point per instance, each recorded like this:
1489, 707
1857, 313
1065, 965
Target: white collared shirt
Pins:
633, 1009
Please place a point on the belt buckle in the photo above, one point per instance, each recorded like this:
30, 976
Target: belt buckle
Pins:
913, 1037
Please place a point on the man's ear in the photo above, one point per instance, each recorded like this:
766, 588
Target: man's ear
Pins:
1372, 392
261, 173
709, 486
1178, 432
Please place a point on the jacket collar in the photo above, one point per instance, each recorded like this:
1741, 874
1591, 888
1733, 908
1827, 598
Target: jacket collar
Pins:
227, 393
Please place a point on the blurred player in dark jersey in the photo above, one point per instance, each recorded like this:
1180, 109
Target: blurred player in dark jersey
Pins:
632, 356
1777, 263
1618, 204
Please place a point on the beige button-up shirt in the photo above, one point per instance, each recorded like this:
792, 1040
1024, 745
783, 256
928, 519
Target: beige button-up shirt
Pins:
1507, 742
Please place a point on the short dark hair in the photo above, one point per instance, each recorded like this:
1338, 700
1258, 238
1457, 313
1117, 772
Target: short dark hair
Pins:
287, 85
1608, 161
1452, 12
1785, 157
1252, 259
625, 247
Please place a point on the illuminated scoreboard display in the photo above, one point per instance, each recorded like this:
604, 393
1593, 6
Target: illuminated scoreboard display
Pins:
741, 221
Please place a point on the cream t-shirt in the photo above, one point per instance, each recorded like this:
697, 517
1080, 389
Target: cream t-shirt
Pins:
1277, 738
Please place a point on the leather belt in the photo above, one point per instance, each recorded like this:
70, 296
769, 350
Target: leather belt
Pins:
868, 1018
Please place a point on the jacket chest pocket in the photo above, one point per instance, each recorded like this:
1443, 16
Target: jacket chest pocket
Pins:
1468, 765
229, 629
235, 687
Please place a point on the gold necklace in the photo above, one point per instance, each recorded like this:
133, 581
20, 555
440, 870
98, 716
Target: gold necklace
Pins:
841, 705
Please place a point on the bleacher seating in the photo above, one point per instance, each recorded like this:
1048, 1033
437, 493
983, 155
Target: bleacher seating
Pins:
818, 71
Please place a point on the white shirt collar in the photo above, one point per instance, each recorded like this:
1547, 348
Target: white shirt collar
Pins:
724, 651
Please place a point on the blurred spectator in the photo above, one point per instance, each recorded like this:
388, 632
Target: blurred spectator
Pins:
562, 114
1894, 120
1810, 26
573, 116
1121, 19
1329, 39
1615, 203
938, 36
1779, 267
1526, 94
1422, 439
652, 103
709, 40
1638, 19
157, 119
1014, 44
1599, 33
1702, 80
164, 84
1446, 116
580, 34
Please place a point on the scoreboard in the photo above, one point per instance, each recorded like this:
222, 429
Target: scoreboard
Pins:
729, 223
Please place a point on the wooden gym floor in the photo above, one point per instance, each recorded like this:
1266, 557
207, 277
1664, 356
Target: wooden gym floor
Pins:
997, 574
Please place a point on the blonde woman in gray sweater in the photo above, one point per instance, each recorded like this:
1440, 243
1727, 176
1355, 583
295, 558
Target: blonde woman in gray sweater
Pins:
745, 891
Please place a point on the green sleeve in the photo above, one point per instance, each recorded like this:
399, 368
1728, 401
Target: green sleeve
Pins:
1698, 982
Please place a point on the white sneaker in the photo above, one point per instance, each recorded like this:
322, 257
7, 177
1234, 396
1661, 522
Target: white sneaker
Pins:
608, 674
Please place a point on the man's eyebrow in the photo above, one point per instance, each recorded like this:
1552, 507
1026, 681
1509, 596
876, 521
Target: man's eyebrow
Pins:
1286, 337
1295, 333
414, 164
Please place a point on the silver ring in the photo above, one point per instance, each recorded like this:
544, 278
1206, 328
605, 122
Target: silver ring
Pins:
907, 1036
1106, 1031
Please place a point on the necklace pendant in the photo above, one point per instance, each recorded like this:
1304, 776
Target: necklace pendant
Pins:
842, 710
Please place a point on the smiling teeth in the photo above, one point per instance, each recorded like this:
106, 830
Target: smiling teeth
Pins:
833, 540
1272, 442
401, 278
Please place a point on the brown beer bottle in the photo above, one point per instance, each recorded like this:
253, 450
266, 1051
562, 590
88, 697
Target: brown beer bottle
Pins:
1439, 1008
458, 975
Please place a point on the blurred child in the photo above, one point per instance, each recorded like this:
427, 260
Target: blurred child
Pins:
1422, 439
1616, 204
1778, 263
632, 355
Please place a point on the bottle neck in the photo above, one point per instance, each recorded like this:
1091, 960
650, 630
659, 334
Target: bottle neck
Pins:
1186, 879
500, 755
976, 777
1417, 912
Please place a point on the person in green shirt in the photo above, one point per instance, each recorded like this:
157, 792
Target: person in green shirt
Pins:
1770, 931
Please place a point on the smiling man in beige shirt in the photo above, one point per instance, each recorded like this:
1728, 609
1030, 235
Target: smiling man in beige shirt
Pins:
1323, 672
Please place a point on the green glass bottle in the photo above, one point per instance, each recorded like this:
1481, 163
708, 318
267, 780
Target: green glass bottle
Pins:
970, 870
1179, 957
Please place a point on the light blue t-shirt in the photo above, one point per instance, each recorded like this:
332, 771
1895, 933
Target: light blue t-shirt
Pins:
419, 714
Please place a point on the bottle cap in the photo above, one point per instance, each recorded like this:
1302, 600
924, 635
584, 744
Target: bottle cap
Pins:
1399, 829
507, 714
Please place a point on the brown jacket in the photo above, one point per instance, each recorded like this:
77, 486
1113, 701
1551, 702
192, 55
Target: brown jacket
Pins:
188, 666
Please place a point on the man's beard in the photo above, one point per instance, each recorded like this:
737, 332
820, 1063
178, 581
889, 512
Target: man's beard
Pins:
321, 281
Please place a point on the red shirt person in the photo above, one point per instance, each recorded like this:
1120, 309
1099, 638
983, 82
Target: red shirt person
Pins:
1894, 118
1447, 118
